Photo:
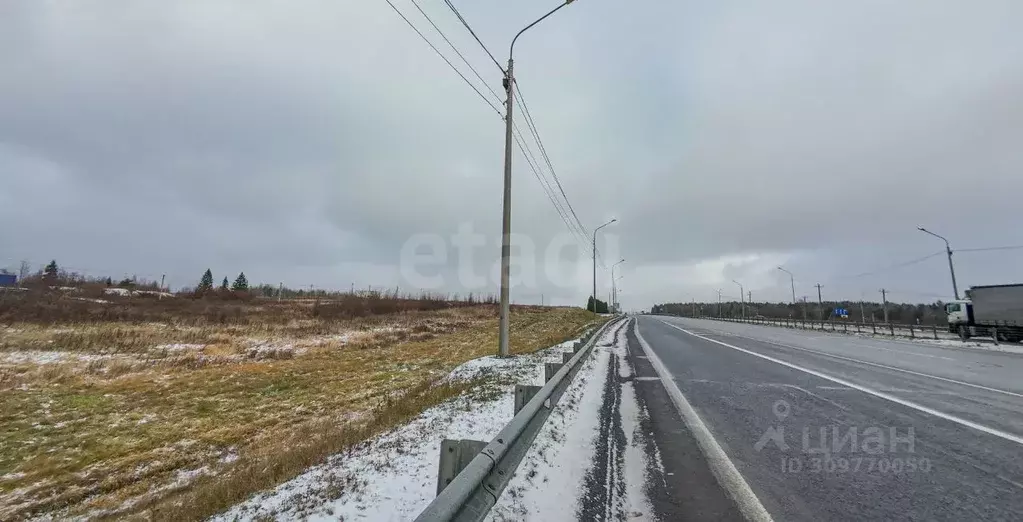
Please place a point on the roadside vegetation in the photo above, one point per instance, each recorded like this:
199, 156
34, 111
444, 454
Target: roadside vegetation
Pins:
151, 406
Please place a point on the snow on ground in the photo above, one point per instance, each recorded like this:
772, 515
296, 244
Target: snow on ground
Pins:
179, 347
88, 300
551, 480
47, 357
552, 474
394, 476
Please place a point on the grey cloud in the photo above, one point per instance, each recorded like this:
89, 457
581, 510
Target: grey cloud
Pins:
310, 140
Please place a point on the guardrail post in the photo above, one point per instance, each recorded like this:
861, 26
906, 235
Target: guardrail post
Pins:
934, 330
891, 328
874, 326
845, 327
994, 334
523, 393
549, 369
857, 327
911, 334
455, 455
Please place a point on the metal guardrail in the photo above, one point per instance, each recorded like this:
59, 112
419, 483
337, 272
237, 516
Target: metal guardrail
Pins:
891, 329
475, 489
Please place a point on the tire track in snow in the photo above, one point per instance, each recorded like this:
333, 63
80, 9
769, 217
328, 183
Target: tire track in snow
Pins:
619, 456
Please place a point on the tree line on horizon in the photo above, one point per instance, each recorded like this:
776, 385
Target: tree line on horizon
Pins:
902, 313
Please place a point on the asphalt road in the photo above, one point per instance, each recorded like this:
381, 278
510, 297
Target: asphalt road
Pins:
831, 427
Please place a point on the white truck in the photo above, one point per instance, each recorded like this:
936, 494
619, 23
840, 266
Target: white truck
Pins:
988, 311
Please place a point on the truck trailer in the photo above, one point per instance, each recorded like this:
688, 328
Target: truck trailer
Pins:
989, 311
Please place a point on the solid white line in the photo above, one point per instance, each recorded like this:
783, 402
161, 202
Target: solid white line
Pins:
885, 366
724, 470
903, 352
910, 404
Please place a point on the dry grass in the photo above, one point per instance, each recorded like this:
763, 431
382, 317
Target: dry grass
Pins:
171, 421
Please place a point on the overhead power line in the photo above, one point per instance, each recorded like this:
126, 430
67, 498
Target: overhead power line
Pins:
548, 187
445, 58
988, 249
519, 141
473, 33
459, 53
893, 267
543, 152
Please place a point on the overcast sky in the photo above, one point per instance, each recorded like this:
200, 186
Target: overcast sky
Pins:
308, 142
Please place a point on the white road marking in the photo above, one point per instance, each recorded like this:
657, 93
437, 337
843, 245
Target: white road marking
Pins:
901, 352
818, 397
878, 365
724, 470
910, 404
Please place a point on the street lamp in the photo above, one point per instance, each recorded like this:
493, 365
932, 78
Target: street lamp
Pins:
792, 280
509, 87
614, 291
595, 261
948, 249
741, 302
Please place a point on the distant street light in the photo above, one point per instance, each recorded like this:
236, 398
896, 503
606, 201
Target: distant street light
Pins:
741, 302
509, 86
792, 280
595, 261
614, 289
948, 249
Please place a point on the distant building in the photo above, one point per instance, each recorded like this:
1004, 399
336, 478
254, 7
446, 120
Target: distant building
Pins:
8, 280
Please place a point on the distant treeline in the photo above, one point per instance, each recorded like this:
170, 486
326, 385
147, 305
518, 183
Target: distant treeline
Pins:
903, 313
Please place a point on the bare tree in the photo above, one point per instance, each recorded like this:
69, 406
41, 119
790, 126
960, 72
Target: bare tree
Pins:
24, 270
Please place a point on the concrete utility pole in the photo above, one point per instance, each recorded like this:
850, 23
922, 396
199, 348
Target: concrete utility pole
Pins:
820, 304
509, 88
280, 292
719, 302
614, 289
792, 282
951, 268
742, 291
884, 300
595, 261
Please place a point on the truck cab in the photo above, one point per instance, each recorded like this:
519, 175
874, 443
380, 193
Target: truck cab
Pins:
960, 316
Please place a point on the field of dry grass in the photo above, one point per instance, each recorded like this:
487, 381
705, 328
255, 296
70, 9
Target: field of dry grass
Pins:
181, 419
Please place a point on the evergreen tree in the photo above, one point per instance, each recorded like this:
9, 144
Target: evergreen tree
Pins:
223, 285
240, 284
601, 307
50, 273
206, 283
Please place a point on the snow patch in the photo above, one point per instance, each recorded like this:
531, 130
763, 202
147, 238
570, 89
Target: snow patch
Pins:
88, 300
48, 357
637, 462
552, 475
179, 347
394, 476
